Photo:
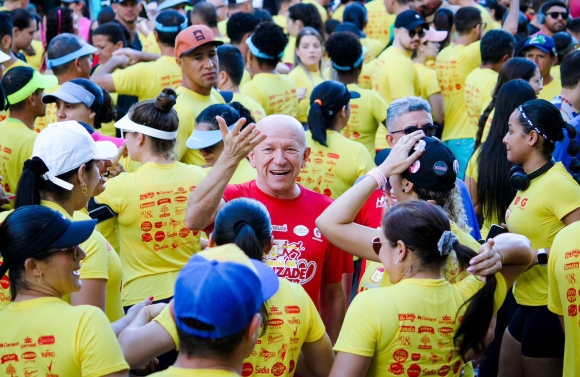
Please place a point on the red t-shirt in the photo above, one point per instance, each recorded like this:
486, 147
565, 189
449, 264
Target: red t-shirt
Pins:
371, 215
300, 253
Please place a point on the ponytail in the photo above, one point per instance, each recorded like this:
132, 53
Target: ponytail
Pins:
318, 122
247, 240
471, 333
326, 101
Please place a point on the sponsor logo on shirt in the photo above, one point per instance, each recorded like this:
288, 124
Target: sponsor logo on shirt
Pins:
405, 341
446, 319
407, 317
148, 195
184, 232
282, 351
280, 228
426, 329
278, 369
147, 205
429, 319
146, 237
181, 199
294, 321
47, 354
572, 254
28, 355
397, 368
444, 343
9, 357
425, 340
274, 310
6, 345
571, 294
31, 372
292, 309
572, 310
28, 343
275, 323
435, 358
407, 329
267, 355
262, 370
146, 226
571, 266
400, 355
414, 370
446, 331
301, 230
247, 369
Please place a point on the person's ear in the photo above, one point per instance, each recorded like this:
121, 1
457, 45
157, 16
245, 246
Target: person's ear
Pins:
140, 139
269, 246
299, 24
254, 328
402, 251
407, 185
15, 32
210, 241
505, 58
391, 140
6, 42
119, 44
92, 114
179, 62
343, 112
251, 158
532, 138
305, 156
156, 35
32, 266
222, 79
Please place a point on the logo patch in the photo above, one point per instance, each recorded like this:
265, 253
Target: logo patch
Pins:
198, 34
440, 168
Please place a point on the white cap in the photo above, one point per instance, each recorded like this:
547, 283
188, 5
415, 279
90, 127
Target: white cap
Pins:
65, 146
4, 57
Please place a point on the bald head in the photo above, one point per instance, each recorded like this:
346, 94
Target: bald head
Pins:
204, 13
283, 125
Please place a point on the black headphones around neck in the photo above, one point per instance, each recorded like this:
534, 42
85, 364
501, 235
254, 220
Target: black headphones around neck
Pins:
521, 181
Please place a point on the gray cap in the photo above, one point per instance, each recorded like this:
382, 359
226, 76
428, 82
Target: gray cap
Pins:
71, 93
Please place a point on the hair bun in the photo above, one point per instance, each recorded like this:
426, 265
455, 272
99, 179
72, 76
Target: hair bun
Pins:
166, 100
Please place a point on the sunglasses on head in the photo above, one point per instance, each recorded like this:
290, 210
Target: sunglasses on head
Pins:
555, 15
429, 129
420, 33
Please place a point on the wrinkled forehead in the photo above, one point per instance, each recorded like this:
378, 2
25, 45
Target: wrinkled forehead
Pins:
282, 129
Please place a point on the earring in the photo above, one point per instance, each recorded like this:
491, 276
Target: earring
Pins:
403, 191
40, 278
84, 188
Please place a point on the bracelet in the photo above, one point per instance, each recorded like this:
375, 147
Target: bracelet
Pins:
378, 176
499, 252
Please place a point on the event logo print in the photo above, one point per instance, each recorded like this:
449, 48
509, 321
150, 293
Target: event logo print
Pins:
285, 259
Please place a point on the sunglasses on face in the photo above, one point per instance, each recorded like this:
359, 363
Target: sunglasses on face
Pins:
420, 33
74, 250
377, 244
429, 129
556, 15
124, 133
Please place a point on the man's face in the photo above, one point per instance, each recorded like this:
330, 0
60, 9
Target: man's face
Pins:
201, 65
410, 39
221, 7
414, 118
279, 159
543, 60
556, 19
127, 11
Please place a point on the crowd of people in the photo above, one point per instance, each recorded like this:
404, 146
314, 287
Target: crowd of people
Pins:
285, 187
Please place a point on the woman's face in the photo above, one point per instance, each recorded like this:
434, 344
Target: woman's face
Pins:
91, 178
211, 153
515, 141
74, 111
293, 27
388, 256
398, 192
537, 81
105, 48
61, 270
104, 165
309, 51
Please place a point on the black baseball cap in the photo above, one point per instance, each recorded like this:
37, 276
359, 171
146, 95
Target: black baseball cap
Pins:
436, 169
410, 20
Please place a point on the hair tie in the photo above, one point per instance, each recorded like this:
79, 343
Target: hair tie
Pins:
446, 242
238, 225
319, 102
59, 20
37, 166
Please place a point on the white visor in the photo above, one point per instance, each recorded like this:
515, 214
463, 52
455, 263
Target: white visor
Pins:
127, 124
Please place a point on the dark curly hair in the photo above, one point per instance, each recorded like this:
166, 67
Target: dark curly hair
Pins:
239, 25
496, 44
270, 39
58, 21
308, 14
343, 48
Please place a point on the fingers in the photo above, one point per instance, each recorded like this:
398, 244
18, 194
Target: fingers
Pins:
223, 126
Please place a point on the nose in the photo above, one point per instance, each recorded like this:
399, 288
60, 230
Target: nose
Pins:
279, 158
81, 253
60, 113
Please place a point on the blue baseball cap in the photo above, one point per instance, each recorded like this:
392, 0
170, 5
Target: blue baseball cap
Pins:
223, 288
541, 42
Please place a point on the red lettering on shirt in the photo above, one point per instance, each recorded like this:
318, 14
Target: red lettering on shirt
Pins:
571, 294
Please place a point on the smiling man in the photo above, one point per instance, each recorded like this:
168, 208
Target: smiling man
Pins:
278, 151
196, 53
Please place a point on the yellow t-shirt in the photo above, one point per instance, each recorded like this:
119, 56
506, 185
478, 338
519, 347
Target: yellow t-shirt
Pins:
147, 80
16, 141
17, 63
334, 169
293, 320
321, 9
479, 86
367, 114
551, 90
365, 80
189, 105
223, 27
150, 45
50, 117
101, 262
454, 63
155, 244
537, 213
182, 372
338, 13
373, 48
379, 21
303, 80
555, 72
246, 77
280, 21
394, 76
486, 17
564, 288
48, 337
35, 60
374, 276
472, 172
255, 108
274, 92
415, 335
288, 56
244, 173
428, 80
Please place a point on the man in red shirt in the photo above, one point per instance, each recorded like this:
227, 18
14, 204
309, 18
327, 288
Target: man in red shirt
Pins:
277, 150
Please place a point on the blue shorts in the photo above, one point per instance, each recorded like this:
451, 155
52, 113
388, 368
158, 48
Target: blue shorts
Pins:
462, 149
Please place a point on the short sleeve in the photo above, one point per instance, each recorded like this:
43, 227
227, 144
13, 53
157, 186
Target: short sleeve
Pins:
96, 263
97, 346
361, 328
166, 321
114, 195
568, 193
232, 192
333, 265
554, 300
128, 81
316, 327
379, 107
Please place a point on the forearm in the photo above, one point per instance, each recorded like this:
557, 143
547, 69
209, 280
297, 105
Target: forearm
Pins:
316, 358
205, 198
511, 22
332, 309
148, 57
120, 325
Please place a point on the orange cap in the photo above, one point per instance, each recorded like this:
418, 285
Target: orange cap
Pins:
193, 37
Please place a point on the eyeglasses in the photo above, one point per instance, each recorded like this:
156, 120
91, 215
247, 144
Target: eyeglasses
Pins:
74, 250
556, 15
420, 33
429, 129
378, 244
483, 24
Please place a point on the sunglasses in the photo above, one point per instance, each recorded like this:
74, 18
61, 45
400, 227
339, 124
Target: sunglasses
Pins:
413, 33
556, 15
74, 250
429, 129
125, 132
378, 244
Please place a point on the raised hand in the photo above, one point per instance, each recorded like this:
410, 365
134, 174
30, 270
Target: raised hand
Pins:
399, 159
237, 142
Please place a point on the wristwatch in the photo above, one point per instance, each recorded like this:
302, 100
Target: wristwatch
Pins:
542, 257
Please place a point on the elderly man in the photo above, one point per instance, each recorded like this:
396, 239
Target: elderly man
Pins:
407, 115
277, 150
